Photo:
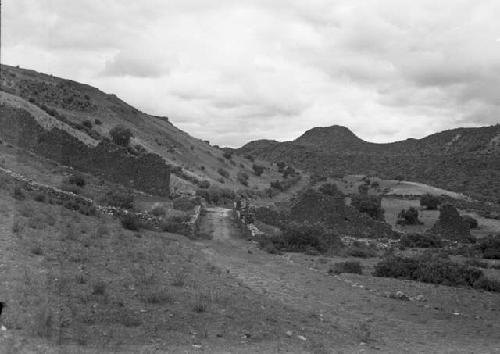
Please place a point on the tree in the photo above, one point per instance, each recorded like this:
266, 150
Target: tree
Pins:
431, 202
121, 135
408, 217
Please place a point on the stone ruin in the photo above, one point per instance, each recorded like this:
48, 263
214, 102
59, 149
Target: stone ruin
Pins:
313, 206
451, 225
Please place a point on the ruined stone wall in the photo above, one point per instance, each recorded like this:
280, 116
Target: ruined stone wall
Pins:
145, 172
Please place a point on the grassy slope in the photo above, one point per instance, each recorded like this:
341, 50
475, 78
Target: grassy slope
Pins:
70, 279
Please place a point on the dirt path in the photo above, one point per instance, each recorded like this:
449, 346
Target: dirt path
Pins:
386, 324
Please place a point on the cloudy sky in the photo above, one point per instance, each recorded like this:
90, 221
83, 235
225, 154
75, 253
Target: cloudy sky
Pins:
231, 71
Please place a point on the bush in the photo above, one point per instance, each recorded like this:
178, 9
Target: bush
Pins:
371, 205
224, 173
77, 180
434, 271
124, 200
420, 241
176, 225
489, 247
330, 189
158, 211
300, 237
473, 224
346, 267
227, 155
185, 203
39, 197
258, 170
97, 122
270, 216
431, 202
243, 178
87, 124
204, 184
130, 222
18, 193
360, 250
408, 217
216, 195
121, 135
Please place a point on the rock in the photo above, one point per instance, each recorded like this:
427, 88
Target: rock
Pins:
420, 298
289, 333
302, 338
400, 296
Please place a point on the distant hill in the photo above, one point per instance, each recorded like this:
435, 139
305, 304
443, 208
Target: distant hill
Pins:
465, 160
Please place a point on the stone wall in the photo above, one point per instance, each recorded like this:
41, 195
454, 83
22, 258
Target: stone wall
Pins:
145, 172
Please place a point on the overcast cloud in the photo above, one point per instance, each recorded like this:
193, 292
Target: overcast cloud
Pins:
233, 71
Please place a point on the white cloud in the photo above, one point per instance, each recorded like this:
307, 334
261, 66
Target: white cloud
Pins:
232, 71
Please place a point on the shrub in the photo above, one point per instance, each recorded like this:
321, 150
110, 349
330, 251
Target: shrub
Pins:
473, 224
158, 211
124, 200
216, 195
224, 173
258, 170
87, 124
408, 217
371, 205
289, 171
97, 122
304, 236
18, 193
346, 267
158, 296
227, 155
121, 135
330, 189
431, 202
77, 179
68, 187
250, 158
176, 225
434, 271
281, 166
363, 189
204, 184
360, 250
130, 222
185, 203
489, 247
39, 197
474, 262
421, 241
243, 178
99, 288
270, 216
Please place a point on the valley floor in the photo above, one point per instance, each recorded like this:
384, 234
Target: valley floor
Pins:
355, 306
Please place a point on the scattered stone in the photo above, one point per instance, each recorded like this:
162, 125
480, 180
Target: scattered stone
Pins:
289, 333
301, 337
400, 296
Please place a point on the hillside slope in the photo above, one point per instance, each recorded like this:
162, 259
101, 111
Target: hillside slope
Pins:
465, 160
88, 114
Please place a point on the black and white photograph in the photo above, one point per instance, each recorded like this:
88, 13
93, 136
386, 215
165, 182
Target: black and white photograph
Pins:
249, 176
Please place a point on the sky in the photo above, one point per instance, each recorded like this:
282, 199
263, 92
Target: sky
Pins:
234, 71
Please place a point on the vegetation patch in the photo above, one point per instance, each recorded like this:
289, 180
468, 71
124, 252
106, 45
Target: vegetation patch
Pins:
434, 270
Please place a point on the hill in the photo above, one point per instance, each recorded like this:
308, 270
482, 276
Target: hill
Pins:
58, 114
465, 160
